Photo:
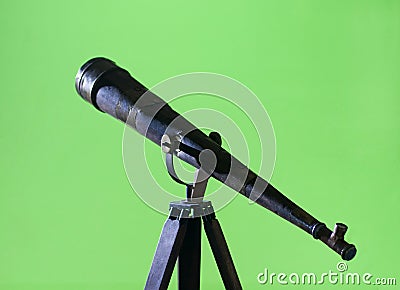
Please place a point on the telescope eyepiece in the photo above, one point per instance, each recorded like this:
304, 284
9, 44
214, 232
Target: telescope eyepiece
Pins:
349, 252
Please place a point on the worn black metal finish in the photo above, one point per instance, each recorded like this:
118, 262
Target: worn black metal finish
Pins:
112, 90
167, 252
221, 253
189, 257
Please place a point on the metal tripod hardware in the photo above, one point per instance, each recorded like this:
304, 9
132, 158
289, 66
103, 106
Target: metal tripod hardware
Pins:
206, 158
180, 238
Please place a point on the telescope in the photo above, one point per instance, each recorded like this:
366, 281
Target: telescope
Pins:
112, 90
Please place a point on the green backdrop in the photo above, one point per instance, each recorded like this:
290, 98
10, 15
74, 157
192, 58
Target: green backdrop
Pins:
327, 72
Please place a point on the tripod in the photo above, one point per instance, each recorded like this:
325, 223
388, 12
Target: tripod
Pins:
180, 238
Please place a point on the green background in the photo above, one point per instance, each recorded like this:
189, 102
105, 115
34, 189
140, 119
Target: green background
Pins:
327, 72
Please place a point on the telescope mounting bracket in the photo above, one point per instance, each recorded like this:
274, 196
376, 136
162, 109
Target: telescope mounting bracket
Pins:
180, 239
172, 145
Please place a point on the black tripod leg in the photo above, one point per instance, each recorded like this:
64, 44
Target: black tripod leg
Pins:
221, 253
167, 252
189, 257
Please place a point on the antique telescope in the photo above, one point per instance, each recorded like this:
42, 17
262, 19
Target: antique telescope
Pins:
113, 90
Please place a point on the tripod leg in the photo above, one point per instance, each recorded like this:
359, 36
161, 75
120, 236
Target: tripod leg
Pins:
221, 253
189, 257
167, 252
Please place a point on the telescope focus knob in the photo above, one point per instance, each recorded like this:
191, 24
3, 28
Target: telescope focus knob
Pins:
216, 137
339, 231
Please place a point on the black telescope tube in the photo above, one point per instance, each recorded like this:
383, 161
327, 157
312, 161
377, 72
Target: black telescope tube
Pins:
114, 91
